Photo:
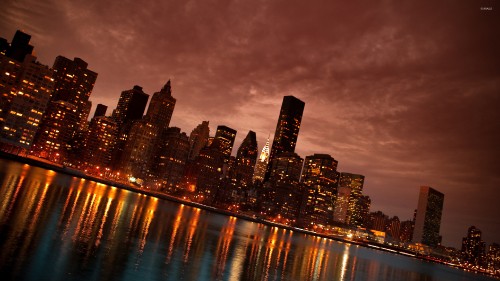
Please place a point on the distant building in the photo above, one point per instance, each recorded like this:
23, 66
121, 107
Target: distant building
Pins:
19, 47
198, 139
224, 140
99, 142
161, 108
406, 233
473, 246
262, 162
341, 204
246, 158
320, 179
287, 129
493, 257
355, 212
100, 110
428, 218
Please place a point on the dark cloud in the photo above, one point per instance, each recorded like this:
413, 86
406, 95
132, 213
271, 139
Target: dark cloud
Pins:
406, 93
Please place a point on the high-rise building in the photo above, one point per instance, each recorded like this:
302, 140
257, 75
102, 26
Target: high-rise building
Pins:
74, 83
198, 139
100, 110
320, 178
355, 182
341, 204
224, 140
161, 108
56, 130
25, 91
99, 142
262, 162
19, 47
406, 232
473, 246
245, 161
393, 228
428, 218
493, 257
170, 159
131, 106
287, 129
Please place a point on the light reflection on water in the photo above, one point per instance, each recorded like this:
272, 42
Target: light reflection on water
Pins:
57, 227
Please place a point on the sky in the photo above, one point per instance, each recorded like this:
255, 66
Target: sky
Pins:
405, 93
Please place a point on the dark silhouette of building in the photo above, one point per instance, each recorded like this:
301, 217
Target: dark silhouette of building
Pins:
198, 139
170, 160
100, 110
246, 158
320, 179
19, 47
287, 129
473, 246
428, 219
161, 108
224, 140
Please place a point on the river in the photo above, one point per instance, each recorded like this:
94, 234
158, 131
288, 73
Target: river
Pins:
57, 227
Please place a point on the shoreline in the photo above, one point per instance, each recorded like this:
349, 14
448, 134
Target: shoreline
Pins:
80, 174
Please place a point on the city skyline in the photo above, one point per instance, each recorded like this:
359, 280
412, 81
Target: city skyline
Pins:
415, 126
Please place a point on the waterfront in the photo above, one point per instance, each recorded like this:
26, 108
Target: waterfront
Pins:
58, 227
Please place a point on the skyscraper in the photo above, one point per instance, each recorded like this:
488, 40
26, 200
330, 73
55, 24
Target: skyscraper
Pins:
320, 178
355, 183
287, 129
428, 218
224, 140
161, 107
100, 110
131, 106
74, 83
198, 139
99, 142
262, 162
19, 47
473, 247
245, 161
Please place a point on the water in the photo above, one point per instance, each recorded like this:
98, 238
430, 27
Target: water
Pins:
57, 227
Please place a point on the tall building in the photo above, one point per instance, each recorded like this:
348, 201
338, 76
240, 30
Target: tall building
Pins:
428, 218
341, 204
161, 108
473, 246
100, 110
355, 182
19, 47
198, 139
99, 142
131, 106
287, 129
170, 160
74, 83
245, 161
320, 178
25, 91
56, 130
224, 140
262, 162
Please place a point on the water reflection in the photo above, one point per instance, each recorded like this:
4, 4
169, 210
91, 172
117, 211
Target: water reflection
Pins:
57, 227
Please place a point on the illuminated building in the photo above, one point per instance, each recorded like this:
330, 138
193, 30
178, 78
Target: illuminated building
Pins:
55, 132
130, 107
282, 194
224, 140
378, 221
287, 129
262, 162
198, 139
26, 89
355, 182
406, 232
393, 228
428, 218
100, 110
493, 257
74, 83
205, 176
320, 178
473, 247
99, 142
170, 159
341, 204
